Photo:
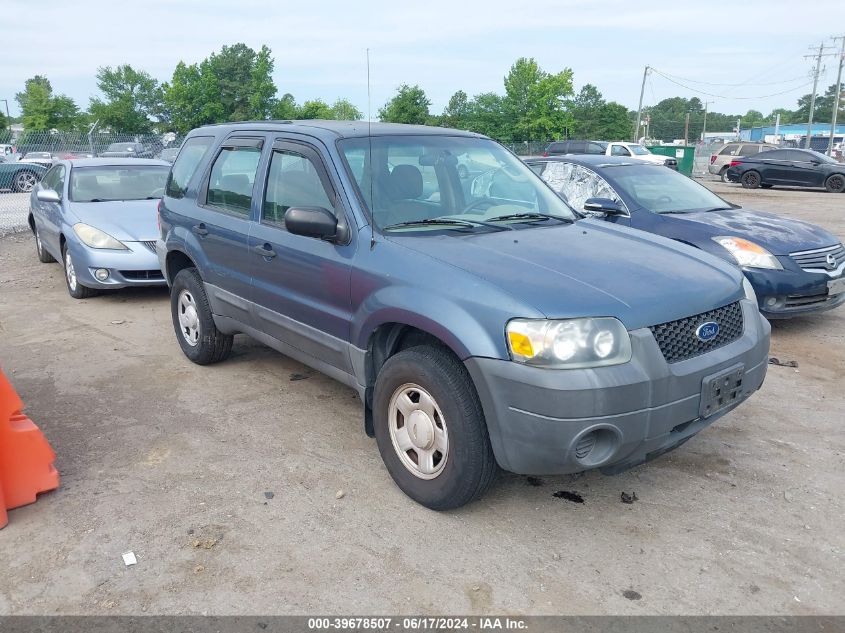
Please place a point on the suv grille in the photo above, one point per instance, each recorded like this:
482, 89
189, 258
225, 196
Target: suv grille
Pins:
817, 259
678, 341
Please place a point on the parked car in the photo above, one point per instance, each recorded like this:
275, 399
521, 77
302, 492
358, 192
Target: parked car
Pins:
19, 177
45, 159
789, 168
169, 154
794, 267
483, 324
618, 148
98, 217
721, 160
127, 150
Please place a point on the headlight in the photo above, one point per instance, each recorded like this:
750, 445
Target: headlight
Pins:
747, 253
749, 290
570, 343
95, 238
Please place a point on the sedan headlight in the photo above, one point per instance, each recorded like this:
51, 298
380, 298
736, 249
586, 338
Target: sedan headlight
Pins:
570, 343
95, 238
747, 253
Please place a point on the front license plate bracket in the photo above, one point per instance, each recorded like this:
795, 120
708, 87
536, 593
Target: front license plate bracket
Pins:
721, 390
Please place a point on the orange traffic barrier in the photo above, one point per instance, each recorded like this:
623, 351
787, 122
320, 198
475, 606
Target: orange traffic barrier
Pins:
26, 459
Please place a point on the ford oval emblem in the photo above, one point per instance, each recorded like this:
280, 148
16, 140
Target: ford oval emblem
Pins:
707, 331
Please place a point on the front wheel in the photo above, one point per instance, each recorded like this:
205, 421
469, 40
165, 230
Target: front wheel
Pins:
835, 183
24, 182
196, 332
430, 428
74, 288
750, 180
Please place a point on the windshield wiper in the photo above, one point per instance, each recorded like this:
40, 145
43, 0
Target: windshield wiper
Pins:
445, 222
529, 216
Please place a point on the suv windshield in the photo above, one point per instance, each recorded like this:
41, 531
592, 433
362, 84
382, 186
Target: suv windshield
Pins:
662, 190
423, 183
101, 184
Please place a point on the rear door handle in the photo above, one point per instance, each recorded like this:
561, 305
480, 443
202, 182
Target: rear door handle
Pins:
200, 230
265, 250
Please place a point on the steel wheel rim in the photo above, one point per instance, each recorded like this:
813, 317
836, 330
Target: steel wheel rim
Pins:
25, 181
70, 272
418, 431
188, 315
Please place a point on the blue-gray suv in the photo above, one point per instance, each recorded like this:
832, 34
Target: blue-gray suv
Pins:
483, 322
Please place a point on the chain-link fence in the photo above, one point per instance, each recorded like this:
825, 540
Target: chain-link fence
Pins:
528, 148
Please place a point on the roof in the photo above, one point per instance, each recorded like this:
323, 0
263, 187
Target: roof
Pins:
591, 160
337, 129
115, 162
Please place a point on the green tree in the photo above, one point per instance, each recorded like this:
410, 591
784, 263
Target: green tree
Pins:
285, 108
190, 97
234, 68
536, 101
410, 105
823, 110
486, 115
42, 111
262, 90
457, 111
132, 99
314, 109
344, 110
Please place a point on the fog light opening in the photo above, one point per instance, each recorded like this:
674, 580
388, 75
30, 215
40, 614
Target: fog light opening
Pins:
101, 274
595, 447
771, 301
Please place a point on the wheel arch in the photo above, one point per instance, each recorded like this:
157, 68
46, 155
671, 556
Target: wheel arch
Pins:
175, 261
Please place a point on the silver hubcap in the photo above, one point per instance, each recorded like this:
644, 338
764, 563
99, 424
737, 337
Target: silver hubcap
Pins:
189, 321
70, 271
25, 182
418, 431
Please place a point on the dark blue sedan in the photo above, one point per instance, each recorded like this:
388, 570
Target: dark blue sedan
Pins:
795, 267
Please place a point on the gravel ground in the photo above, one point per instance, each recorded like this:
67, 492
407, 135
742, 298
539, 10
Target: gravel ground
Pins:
177, 462
14, 208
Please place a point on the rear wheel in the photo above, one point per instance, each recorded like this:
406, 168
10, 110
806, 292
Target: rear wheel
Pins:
835, 183
196, 332
430, 428
43, 256
750, 180
24, 181
724, 174
74, 288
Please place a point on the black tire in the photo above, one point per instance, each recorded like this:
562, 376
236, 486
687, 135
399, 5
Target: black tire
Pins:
724, 174
470, 466
750, 179
835, 183
24, 181
74, 288
211, 345
766, 186
43, 256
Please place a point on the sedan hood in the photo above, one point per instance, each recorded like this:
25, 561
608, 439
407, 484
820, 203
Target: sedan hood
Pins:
124, 220
591, 268
777, 234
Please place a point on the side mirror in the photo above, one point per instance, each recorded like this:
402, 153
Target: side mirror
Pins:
48, 195
604, 205
311, 222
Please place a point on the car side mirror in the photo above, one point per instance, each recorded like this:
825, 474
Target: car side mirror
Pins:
311, 222
48, 195
604, 205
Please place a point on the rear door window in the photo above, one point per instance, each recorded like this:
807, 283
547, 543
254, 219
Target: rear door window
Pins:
190, 156
232, 176
595, 148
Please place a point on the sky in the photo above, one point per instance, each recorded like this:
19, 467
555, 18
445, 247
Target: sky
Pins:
757, 46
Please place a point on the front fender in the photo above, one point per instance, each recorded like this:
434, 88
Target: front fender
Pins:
433, 313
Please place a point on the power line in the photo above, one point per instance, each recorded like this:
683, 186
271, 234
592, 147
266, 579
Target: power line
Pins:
718, 96
710, 83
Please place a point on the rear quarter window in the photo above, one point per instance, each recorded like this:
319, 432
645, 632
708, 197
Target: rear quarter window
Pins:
190, 156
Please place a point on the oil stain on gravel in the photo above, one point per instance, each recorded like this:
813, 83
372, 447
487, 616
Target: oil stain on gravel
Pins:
574, 497
632, 595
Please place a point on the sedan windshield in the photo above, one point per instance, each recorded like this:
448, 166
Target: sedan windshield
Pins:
662, 190
115, 182
121, 147
429, 183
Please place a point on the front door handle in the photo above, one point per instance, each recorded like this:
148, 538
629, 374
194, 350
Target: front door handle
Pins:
265, 250
200, 230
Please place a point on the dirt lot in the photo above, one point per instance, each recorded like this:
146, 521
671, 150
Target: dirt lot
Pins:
174, 462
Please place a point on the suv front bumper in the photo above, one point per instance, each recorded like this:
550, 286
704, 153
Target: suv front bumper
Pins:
544, 421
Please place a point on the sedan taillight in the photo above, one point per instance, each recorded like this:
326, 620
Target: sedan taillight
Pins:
734, 163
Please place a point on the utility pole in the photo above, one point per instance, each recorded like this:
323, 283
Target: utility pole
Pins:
640, 106
836, 95
816, 72
9, 117
704, 127
777, 128
686, 129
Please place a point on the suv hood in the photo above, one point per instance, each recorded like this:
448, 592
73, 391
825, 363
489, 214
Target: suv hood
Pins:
775, 233
591, 268
124, 220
